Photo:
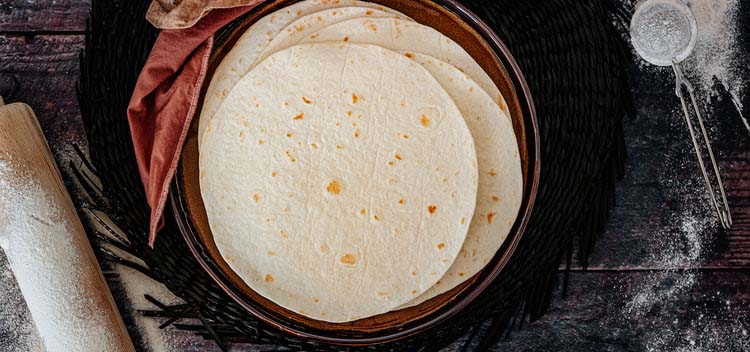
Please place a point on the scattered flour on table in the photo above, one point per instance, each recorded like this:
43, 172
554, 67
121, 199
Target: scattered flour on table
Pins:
717, 51
657, 296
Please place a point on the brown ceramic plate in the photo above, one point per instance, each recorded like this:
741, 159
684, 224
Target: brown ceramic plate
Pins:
455, 21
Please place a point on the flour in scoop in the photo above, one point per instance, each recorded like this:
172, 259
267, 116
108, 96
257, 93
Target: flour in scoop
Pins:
662, 33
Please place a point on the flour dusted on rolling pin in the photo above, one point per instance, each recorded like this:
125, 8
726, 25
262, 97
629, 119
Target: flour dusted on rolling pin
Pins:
47, 248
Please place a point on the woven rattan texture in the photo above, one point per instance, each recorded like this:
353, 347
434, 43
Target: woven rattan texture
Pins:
575, 65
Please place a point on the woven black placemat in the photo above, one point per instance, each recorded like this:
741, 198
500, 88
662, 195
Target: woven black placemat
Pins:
575, 66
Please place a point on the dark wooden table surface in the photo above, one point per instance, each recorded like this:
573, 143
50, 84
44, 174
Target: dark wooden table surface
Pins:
662, 278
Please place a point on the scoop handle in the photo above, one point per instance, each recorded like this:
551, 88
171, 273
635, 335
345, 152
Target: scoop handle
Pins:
721, 205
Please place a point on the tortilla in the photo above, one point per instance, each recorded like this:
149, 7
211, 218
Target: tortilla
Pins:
334, 187
314, 22
500, 178
246, 52
403, 35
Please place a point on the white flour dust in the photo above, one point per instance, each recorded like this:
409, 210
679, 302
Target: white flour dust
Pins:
680, 254
36, 239
717, 52
17, 330
662, 296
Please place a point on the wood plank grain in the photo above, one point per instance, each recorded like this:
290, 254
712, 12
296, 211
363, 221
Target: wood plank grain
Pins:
43, 16
42, 71
620, 312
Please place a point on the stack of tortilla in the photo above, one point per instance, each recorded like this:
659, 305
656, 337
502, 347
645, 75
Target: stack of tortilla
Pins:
354, 162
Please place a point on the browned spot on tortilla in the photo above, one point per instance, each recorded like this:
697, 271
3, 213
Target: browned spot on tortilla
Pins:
373, 27
334, 188
382, 294
376, 218
316, 299
269, 278
414, 292
314, 145
356, 133
271, 253
349, 259
274, 174
242, 134
355, 98
424, 120
284, 234
300, 116
299, 27
398, 156
306, 100
349, 113
460, 274
440, 245
501, 104
406, 136
346, 39
493, 172
369, 12
339, 146
409, 55
490, 216
401, 201
413, 273
391, 163
432, 209
314, 35
463, 221
256, 197
495, 198
324, 248
289, 134
291, 158
261, 142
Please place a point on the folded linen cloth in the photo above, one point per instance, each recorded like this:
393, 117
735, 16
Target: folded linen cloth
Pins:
164, 101
178, 14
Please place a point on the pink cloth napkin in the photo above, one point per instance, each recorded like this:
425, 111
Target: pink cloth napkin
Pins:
164, 102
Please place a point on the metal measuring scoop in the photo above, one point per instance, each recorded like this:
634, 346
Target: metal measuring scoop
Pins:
664, 32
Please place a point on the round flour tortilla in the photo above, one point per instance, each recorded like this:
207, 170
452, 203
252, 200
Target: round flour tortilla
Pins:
334, 187
314, 22
500, 178
407, 36
245, 53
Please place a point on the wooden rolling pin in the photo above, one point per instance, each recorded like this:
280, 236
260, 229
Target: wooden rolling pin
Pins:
47, 247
